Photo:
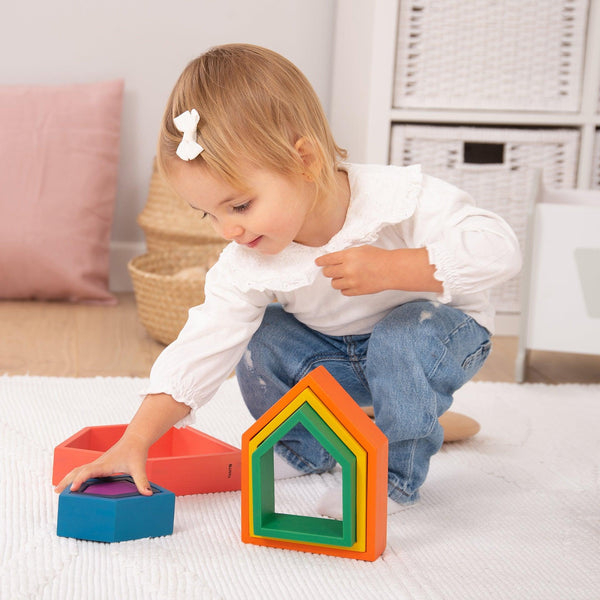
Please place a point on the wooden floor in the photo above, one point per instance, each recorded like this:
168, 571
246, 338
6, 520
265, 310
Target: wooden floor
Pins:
66, 340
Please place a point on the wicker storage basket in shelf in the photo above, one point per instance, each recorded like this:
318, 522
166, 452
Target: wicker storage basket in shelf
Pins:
494, 166
490, 54
167, 284
169, 222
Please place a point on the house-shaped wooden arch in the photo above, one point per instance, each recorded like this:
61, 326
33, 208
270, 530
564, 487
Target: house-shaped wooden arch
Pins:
320, 404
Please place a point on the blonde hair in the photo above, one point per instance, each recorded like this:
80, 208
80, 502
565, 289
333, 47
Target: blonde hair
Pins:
254, 106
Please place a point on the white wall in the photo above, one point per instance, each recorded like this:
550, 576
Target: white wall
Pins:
148, 43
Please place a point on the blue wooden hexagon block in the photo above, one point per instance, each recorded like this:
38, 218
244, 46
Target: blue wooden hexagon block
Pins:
110, 509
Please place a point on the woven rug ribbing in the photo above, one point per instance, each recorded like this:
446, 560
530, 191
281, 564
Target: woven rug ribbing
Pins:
511, 513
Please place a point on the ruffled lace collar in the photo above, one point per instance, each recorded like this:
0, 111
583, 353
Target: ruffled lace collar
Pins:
380, 196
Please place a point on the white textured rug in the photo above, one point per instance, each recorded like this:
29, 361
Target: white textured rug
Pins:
512, 513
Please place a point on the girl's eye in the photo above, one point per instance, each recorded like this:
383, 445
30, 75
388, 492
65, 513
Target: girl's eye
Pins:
204, 213
242, 207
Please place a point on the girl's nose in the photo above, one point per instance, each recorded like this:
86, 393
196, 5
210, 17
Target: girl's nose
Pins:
231, 231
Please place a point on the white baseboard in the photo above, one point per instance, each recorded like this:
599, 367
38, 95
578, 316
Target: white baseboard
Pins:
120, 254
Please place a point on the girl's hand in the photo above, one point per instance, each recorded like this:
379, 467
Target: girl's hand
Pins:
368, 270
128, 456
356, 271
156, 415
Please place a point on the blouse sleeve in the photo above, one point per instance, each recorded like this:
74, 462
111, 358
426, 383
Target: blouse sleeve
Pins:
213, 340
471, 248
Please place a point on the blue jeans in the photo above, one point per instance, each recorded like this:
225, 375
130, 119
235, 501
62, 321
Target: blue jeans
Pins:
407, 369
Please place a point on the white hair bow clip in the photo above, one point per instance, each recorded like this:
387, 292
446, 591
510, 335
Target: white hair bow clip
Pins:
187, 123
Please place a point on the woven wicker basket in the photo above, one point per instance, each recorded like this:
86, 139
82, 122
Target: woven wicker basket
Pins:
168, 222
494, 166
490, 54
167, 284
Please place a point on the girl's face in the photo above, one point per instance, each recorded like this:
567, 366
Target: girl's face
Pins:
274, 212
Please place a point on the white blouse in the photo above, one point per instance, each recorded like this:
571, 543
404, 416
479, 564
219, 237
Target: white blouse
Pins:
390, 207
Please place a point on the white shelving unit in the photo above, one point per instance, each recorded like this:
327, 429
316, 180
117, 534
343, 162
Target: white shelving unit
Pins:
362, 112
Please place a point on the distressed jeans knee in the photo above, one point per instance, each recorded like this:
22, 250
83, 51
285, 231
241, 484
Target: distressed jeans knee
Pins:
419, 355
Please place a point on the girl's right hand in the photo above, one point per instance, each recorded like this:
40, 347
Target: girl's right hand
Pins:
128, 456
157, 413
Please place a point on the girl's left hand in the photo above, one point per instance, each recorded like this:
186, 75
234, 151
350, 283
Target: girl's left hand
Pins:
368, 270
357, 271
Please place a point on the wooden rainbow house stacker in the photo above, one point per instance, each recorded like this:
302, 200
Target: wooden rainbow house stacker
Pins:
320, 404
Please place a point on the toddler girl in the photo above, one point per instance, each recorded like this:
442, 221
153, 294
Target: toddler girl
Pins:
379, 273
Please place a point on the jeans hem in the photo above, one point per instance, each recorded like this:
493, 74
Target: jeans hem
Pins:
402, 497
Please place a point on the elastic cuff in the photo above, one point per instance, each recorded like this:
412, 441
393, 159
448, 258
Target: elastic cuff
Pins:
444, 269
189, 419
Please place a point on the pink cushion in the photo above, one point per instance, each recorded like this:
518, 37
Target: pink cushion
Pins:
59, 151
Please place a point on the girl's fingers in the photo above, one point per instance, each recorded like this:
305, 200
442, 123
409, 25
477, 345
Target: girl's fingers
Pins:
142, 484
331, 272
71, 478
334, 258
80, 475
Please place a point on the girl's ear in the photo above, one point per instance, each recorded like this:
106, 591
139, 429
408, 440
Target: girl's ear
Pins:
310, 158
